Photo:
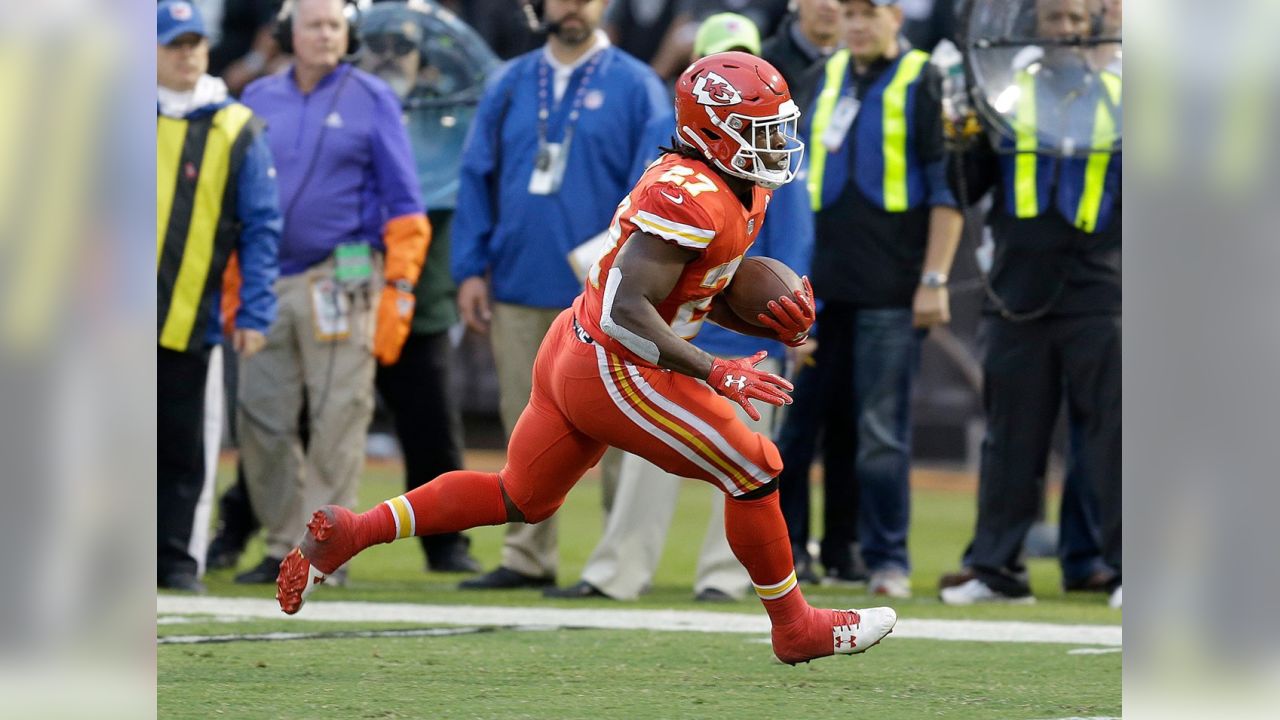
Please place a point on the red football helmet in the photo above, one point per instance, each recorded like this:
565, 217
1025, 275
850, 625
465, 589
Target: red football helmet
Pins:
737, 110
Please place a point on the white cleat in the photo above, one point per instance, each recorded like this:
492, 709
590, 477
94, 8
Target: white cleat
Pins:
863, 630
1116, 598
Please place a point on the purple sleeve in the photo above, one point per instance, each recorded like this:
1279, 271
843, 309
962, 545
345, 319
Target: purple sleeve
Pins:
393, 165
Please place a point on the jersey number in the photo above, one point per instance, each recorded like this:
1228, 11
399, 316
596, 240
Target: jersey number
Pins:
690, 315
679, 176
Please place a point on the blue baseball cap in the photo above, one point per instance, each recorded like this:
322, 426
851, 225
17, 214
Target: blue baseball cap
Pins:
175, 18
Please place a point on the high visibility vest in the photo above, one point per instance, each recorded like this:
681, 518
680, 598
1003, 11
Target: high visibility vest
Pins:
197, 161
1084, 190
884, 163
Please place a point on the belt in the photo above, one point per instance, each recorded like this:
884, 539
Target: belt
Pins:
581, 334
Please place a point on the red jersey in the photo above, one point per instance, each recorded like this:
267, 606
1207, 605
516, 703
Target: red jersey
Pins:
684, 202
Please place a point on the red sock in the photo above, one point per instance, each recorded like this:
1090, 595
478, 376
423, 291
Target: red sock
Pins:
454, 501
758, 535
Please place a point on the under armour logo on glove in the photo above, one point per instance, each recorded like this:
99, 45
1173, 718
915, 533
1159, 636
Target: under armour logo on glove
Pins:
741, 382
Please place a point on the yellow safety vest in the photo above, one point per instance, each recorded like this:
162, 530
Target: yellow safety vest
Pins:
195, 221
1104, 136
890, 134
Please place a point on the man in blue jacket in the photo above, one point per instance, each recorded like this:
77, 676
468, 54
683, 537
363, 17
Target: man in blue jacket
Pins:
216, 196
560, 136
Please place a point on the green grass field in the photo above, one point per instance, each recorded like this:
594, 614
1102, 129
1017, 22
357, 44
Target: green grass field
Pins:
633, 673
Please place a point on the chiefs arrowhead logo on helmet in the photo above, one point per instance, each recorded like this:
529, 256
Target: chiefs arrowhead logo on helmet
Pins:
711, 89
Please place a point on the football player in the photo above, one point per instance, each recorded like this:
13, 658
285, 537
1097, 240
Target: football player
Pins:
617, 368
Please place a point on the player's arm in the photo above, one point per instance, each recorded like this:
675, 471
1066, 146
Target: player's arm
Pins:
646, 271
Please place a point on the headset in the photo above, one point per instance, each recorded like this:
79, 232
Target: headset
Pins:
284, 26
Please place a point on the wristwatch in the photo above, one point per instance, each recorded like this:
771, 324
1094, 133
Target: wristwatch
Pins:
934, 279
402, 285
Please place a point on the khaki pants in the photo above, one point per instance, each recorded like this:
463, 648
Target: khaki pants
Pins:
516, 333
624, 561
285, 483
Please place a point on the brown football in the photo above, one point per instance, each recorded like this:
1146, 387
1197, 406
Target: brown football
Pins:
758, 281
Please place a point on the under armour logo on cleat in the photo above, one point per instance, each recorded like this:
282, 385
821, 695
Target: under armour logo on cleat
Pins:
740, 381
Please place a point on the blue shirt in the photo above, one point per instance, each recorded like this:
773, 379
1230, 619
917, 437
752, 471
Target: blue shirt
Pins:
522, 239
786, 235
343, 160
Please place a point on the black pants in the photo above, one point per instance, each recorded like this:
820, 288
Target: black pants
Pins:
822, 399
417, 391
1028, 369
180, 380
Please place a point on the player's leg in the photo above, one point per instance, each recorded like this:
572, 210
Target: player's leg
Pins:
545, 458
682, 426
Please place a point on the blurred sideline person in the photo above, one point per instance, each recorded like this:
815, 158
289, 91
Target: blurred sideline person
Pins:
886, 231
624, 560
216, 192
504, 24
1053, 327
246, 48
559, 136
416, 387
616, 370
638, 26
673, 53
354, 239
809, 34
814, 30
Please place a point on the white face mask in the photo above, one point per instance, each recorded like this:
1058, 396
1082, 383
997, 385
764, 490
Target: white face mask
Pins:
759, 159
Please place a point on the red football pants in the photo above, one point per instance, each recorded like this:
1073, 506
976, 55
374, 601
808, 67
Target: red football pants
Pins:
585, 399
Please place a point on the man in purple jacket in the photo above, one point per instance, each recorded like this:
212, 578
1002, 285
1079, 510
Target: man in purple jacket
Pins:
355, 234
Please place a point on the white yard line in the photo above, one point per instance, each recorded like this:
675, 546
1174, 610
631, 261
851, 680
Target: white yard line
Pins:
673, 620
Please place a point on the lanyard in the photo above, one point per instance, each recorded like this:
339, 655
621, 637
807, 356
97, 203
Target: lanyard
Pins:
544, 110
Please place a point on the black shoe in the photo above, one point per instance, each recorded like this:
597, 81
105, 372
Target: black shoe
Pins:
455, 560
955, 579
223, 553
844, 576
1100, 581
265, 572
580, 589
503, 578
184, 581
712, 595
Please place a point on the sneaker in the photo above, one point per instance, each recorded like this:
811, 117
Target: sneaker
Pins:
1116, 599
850, 632
502, 578
261, 574
976, 591
890, 583
327, 546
